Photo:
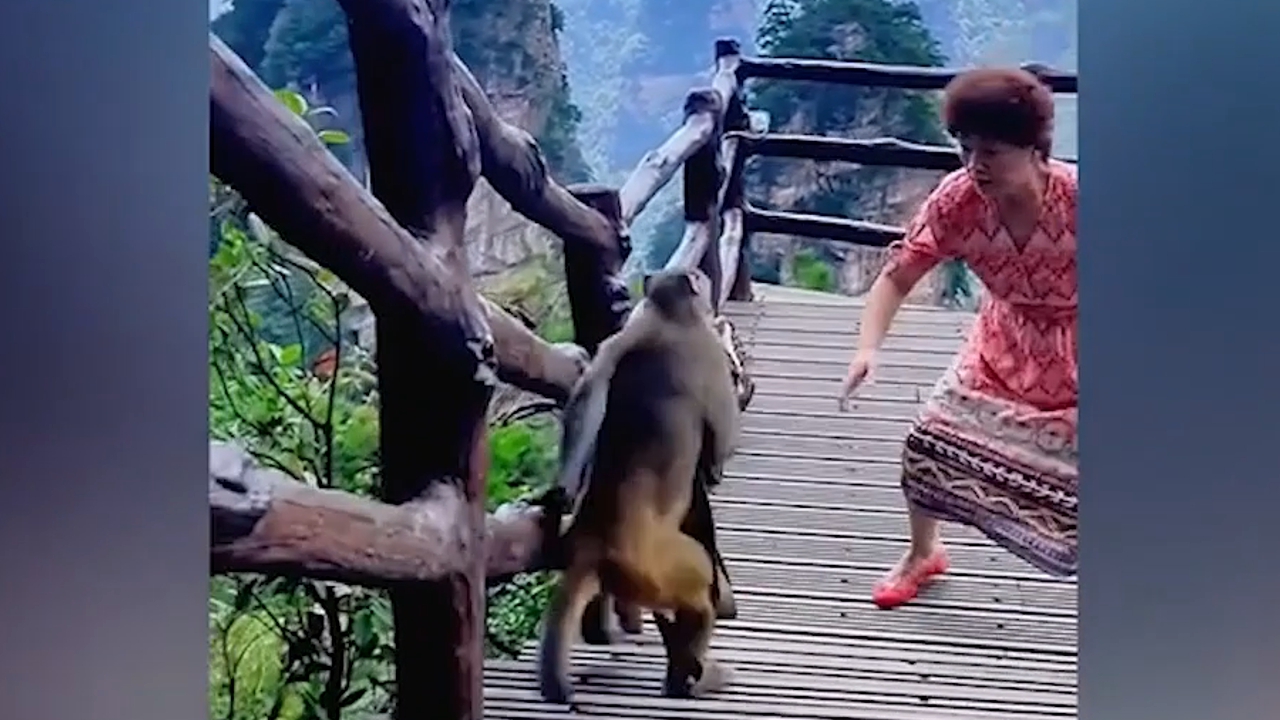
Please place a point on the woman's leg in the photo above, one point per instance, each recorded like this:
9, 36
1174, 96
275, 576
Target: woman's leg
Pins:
925, 558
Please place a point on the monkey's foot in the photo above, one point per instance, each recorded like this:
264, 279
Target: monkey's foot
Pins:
715, 677
598, 624
596, 635
725, 602
631, 620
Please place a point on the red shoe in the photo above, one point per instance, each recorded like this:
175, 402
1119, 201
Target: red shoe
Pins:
888, 595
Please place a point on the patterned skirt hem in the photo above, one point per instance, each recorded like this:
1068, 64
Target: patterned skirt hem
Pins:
1026, 513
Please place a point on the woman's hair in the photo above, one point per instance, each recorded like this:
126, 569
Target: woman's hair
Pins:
1009, 105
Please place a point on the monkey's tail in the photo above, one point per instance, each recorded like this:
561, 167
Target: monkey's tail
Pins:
553, 651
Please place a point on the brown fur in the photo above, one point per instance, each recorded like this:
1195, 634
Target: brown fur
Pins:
655, 413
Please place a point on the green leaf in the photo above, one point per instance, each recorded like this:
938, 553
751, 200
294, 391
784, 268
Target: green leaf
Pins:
322, 110
244, 595
291, 355
293, 100
334, 137
353, 697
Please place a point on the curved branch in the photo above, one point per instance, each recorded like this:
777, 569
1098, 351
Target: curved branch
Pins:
264, 521
292, 181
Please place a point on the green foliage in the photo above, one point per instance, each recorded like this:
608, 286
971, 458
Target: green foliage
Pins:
304, 43
811, 272
246, 28
559, 137
879, 31
958, 285
307, 43
290, 649
536, 289
865, 30
766, 268
598, 67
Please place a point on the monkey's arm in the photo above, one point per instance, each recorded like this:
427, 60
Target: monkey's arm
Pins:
699, 525
580, 423
584, 412
711, 471
722, 422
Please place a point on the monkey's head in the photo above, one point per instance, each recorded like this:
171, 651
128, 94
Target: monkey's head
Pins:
683, 295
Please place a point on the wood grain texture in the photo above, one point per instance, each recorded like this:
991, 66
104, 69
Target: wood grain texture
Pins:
809, 516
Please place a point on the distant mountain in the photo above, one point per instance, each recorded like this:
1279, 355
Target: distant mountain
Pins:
631, 61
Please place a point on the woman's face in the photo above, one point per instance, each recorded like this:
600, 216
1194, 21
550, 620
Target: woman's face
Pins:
999, 169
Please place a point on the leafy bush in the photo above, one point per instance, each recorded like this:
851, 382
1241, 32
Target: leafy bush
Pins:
811, 272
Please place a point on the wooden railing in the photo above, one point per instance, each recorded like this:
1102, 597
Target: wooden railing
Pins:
430, 132
873, 152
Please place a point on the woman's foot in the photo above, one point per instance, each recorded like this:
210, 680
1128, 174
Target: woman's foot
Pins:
913, 571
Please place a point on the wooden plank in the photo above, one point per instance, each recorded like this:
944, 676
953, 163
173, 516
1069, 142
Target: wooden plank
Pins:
750, 462
790, 640
753, 681
835, 447
808, 356
865, 74
850, 321
809, 516
796, 302
921, 622
845, 522
888, 388
979, 560
825, 405
829, 426
900, 338
759, 578
869, 658
883, 491
920, 374
622, 701
881, 151
826, 227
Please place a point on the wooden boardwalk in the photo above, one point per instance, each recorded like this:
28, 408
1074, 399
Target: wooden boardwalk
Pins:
809, 516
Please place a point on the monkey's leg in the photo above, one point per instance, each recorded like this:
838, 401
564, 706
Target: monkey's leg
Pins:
630, 617
597, 620
679, 662
686, 583
578, 586
699, 525
691, 671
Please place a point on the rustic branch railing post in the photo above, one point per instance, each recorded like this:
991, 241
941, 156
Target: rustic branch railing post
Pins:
702, 174
876, 151
735, 270
588, 219
598, 298
709, 159
424, 159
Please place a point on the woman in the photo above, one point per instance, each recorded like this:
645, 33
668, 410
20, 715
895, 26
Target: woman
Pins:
995, 444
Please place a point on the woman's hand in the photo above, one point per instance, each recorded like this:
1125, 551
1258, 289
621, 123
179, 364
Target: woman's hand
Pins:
861, 368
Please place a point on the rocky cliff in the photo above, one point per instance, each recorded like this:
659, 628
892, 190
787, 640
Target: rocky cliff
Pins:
513, 48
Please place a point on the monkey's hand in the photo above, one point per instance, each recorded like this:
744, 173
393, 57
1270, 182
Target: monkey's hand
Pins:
577, 353
555, 506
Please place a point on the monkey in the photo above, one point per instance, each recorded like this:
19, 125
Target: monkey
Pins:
585, 410
582, 416
652, 418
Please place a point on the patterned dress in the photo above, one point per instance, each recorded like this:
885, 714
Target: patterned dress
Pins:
995, 444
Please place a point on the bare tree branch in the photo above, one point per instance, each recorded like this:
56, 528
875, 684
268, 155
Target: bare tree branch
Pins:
264, 521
